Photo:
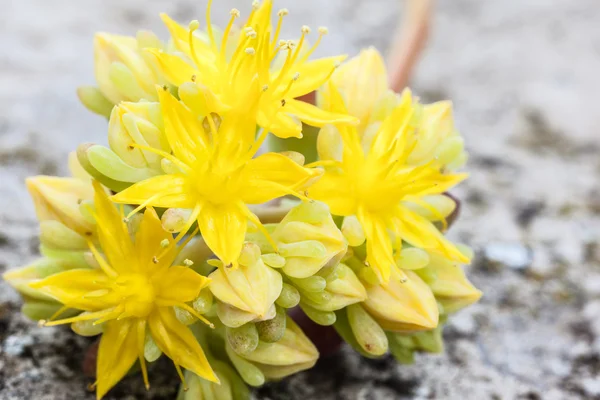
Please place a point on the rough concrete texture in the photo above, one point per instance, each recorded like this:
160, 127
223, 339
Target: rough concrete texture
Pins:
524, 79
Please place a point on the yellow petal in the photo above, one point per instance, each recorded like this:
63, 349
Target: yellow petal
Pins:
273, 175
174, 68
181, 39
177, 341
380, 254
313, 74
180, 284
335, 189
223, 228
71, 288
112, 232
116, 354
420, 232
148, 242
173, 189
184, 131
315, 116
282, 125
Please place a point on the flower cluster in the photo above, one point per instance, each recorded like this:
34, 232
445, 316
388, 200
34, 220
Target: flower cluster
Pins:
184, 237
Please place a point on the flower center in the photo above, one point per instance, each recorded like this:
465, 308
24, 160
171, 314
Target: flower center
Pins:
137, 293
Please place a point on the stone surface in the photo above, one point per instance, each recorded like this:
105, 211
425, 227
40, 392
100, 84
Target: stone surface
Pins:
524, 79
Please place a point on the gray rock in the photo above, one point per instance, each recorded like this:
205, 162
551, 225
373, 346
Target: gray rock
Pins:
515, 256
14, 345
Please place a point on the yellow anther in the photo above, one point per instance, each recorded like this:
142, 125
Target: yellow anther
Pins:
155, 260
164, 243
305, 29
283, 12
187, 262
296, 76
282, 43
194, 25
256, 4
235, 13
323, 30
265, 88
250, 51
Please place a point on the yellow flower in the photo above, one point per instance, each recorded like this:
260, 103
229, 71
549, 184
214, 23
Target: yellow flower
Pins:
373, 181
132, 292
217, 176
209, 68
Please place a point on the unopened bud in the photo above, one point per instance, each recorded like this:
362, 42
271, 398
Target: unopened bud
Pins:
412, 258
243, 339
272, 330
289, 297
353, 231
175, 219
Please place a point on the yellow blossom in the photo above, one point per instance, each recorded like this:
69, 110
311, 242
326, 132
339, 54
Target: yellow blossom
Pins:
131, 292
373, 181
215, 175
208, 72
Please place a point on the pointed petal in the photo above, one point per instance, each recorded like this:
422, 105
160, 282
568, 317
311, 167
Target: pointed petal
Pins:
112, 232
116, 354
177, 341
315, 116
174, 68
223, 227
188, 284
172, 191
70, 288
282, 125
181, 38
313, 74
380, 254
273, 175
183, 130
148, 241
420, 232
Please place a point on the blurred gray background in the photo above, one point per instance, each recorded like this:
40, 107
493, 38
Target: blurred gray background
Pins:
524, 78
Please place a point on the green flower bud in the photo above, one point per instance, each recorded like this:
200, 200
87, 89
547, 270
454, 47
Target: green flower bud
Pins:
273, 329
292, 353
369, 335
412, 258
403, 346
249, 372
342, 289
230, 386
175, 219
434, 207
252, 287
324, 318
203, 302
309, 240
86, 328
43, 310
289, 297
55, 234
353, 231
151, 350
243, 340
93, 99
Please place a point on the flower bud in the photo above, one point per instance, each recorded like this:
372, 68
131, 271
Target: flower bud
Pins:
412, 258
362, 80
273, 329
138, 124
329, 143
353, 231
451, 287
93, 99
289, 297
369, 335
342, 289
244, 339
230, 386
123, 71
252, 287
58, 199
309, 240
404, 346
292, 353
402, 306
434, 207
